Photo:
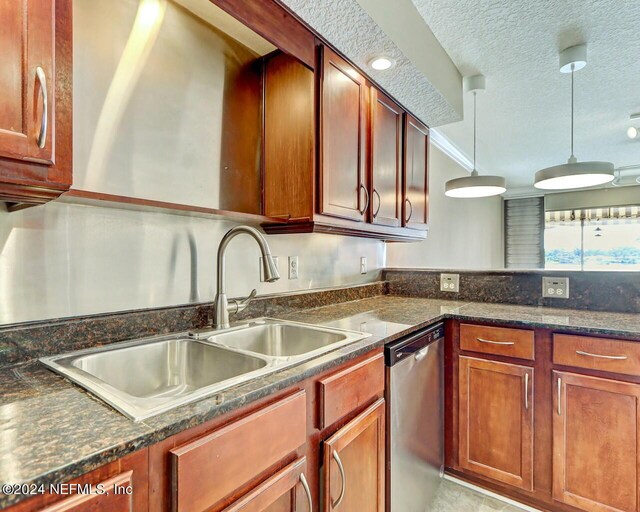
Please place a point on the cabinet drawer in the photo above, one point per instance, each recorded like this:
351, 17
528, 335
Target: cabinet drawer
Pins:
602, 354
208, 469
351, 388
502, 341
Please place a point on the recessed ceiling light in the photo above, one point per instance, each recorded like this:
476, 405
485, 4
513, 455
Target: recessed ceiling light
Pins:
382, 63
632, 132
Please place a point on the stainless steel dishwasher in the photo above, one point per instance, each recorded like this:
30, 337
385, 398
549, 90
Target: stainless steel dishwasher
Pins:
415, 419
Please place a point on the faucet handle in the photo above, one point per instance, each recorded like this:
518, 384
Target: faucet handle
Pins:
237, 305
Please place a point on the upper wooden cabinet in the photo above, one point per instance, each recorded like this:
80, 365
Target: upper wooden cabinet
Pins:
496, 421
596, 452
343, 101
386, 160
416, 174
35, 104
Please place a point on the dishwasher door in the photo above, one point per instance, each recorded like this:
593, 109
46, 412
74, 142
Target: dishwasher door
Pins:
415, 437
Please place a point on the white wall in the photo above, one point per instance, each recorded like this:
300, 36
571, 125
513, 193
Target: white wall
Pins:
61, 260
463, 233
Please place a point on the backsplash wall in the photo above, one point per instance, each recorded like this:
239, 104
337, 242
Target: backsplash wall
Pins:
596, 291
62, 260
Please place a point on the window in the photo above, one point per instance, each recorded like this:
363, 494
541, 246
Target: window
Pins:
593, 239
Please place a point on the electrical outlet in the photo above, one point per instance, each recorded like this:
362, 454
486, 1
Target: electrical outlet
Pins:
363, 265
450, 283
556, 287
275, 261
293, 267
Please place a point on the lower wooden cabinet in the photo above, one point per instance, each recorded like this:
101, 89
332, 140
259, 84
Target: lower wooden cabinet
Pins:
596, 436
354, 464
496, 420
286, 491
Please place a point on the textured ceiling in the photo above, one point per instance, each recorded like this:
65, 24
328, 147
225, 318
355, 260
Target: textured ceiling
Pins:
350, 29
523, 117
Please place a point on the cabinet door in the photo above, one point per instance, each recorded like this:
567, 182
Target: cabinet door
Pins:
596, 455
496, 421
386, 160
114, 499
354, 463
282, 492
26, 79
343, 192
416, 174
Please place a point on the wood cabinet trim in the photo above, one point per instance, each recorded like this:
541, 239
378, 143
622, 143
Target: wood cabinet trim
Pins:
350, 388
375, 414
256, 437
560, 433
265, 494
524, 480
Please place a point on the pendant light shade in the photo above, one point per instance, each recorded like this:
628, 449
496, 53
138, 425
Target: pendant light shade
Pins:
475, 185
574, 174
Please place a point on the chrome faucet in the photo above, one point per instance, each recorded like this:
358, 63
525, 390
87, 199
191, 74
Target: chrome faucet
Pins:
224, 306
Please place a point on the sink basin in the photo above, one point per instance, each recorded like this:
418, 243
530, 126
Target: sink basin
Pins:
145, 377
281, 340
141, 379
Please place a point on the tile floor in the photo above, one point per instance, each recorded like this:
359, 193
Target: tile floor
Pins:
452, 497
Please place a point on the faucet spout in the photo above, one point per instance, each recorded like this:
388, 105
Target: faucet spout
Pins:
221, 313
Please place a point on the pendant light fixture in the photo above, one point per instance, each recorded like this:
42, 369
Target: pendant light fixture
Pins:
574, 174
475, 185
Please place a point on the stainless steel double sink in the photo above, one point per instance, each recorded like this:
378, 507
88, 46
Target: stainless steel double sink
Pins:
145, 377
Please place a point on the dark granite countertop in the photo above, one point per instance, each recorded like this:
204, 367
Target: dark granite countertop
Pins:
52, 430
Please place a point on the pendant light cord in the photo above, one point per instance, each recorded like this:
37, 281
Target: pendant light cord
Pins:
572, 72
474, 132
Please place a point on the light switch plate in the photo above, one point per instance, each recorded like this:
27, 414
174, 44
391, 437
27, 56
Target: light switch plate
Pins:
293, 267
450, 283
556, 287
363, 265
275, 260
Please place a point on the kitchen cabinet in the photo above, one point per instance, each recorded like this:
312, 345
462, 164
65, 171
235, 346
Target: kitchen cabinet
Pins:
35, 105
496, 420
386, 160
120, 486
337, 168
416, 174
343, 126
354, 463
280, 493
596, 452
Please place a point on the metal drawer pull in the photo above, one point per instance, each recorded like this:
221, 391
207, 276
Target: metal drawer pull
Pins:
375, 214
42, 136
559, 396
526, 391
366, 203
336, 503
600, 356
496, 342
307, 491
410, 211
421, 354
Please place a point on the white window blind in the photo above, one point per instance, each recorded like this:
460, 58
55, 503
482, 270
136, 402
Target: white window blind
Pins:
524, 232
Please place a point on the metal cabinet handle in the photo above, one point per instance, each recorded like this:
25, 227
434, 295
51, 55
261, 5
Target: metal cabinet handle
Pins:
526, 391
375, 214
307, 491
600, 356
366, 202
559, 396
481, 340
421, 354
336, 503
42, 136
410, 211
